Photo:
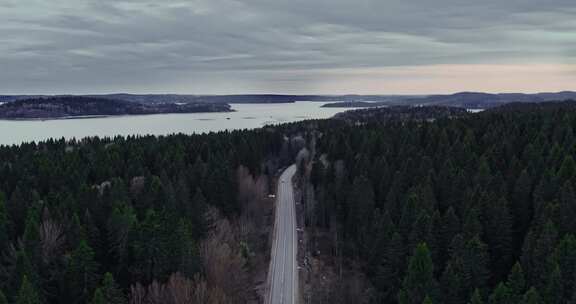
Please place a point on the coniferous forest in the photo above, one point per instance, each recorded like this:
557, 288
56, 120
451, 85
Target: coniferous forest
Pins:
477, 209
143, 219
466, 209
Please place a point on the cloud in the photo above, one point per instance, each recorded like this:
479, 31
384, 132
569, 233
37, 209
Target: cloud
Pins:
223, 46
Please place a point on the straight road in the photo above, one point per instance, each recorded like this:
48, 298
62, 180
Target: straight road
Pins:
283, 273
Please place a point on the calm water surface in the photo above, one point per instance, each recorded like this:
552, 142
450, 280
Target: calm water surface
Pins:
246, 116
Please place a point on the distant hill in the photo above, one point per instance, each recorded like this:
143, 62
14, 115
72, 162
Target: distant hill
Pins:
230, 99
400, 113
77, 106
352, 104
471, 100
474, 100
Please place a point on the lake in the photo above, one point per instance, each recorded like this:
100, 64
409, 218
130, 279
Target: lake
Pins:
247, 116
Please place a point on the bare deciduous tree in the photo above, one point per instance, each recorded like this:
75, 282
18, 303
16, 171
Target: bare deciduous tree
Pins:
52, 240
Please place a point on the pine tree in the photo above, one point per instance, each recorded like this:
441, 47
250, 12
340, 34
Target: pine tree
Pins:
121, 223
498, 232
3, 299
360, 207
474, 265
23, 268
31, 237
189, 259
451, 283
567, 209
4, 224
516, 283
476, 297
109, 291
538, 247
554, 287
449, 229
472, 226
81, 273
532, 297
17, 207
419, 280
565, 256
27, 293
98, 297
197, 212
567, 169
522, 204
389, 272
501, 295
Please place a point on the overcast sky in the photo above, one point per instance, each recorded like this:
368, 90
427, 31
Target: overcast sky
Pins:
286, 46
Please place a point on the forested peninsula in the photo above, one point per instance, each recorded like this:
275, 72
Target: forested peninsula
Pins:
78, 106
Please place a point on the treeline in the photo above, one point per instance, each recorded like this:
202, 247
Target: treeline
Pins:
75, 106
139, 219
480, 209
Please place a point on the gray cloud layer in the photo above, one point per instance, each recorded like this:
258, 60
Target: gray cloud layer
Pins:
223, 46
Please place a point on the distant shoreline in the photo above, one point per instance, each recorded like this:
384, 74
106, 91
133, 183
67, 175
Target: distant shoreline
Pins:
103, 116
59, 108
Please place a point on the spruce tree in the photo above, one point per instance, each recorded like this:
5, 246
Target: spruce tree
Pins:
389, 272
516, 283
522, 204
474, 265
449, 229
501, 295
27, 293
451, 285
532, 297
427, 300
81, 273
554, 288
4, 224
419, 279
476, 297
567, 210
498, 232
3, 299
565, 256
567, 170
110, 291
98, 297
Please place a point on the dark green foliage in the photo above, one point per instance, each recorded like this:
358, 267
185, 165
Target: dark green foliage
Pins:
419, 281
451, 283
98, 297
4, 224
27, 293
554, 287
492, 195
427, 300
532, 297
476, 298
516, 283
501, 295
3, 299
71, 211
81, 274
108, 292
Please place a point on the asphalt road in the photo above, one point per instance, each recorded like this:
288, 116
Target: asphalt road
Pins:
283, 273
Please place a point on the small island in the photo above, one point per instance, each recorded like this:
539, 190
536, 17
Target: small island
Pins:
63, 107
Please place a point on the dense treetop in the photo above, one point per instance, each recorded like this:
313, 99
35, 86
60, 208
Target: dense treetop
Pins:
475, 209
92, 219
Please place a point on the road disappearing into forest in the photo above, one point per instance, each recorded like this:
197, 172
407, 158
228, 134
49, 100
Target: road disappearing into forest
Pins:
283, 273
